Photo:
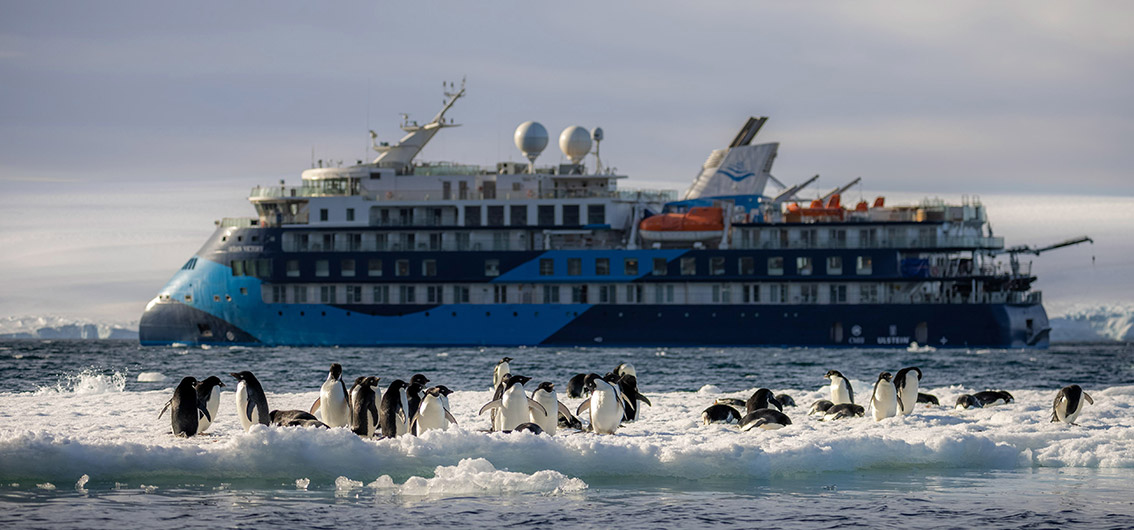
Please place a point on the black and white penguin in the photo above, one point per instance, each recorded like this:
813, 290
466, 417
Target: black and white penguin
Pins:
719, 413
993, 397
841, 391
544, 394
185, 410
927, 398
844, 410
513, 406
208, 398
295, 418
334, 401
251, 403
905, 384
884, 399
364, 414
965, 401
577, 386
414, 392
392, 413
628, 386
762, 398
820, 408
502, 368
785, 400
528, 427
604, 406
624, 369
767, 419
1069, 403
433, 413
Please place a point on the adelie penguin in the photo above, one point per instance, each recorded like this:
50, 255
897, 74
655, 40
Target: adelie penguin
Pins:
628, 386
841, 391
512, 405
295, 418
884, 399
819, 408
392, 414
767, 419
928, 399
186, 411
965, 401
844, 410
1069, 403
720, 413
251, 403
334, 401
577, 386
785, 400
208, 398
604, 406
993, 397
502, 368
762, 398
432, 414
905, 384
414, 392
544, 394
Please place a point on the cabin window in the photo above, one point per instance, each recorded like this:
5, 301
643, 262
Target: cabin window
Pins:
374, 267
579, 294
574, 266
633, 294
350, 214
864, 265
279, 294
495, 216
803, 266
244, 291
429, 267
292, 268
322, 214
546, 214
322, 268
746, 266
688, 266
630, 266
299, 294
808, 293
834, 264
596, 214
500, 294
433, 294
776, 266
327, 294
838, 294
407, 294
472, 215
751, 293
401, 267
607, 294
381, 294
354, 242
408, 241
602, 266
492, 267
660, 266
716, 266
519, 215
354, 294
434, 241
570, 214
551, 294
347, 269
868, 293
837, 238
237, 267
546, 267
777, 294
460, 294
722, 294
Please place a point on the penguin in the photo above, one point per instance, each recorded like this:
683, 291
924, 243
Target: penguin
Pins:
208, 398
186, 411
528, 427
498, 373
965, 401
762, 398
927, 398
577, 386
841, 391
544, 394
392, 412
444, 395
844, 410
251, 403
719, 413
628, 386
604, 405
334, 400
364, 415
735, 403
624, 369
414, 392
767, 419
513, 405
432, 413
295, 418
1069, 403
905, 384
993, 397
785, 400
820, 408
884, 399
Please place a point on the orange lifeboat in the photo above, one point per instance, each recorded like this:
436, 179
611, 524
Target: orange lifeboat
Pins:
698, 223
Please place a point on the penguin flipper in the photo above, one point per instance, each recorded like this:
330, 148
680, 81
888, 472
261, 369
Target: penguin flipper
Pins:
563, 410
413, 423
165, 408
534, 405
644, 399
1087, 397
494, 404
251, 411
586, 404
450, 417
315, 406
205, 412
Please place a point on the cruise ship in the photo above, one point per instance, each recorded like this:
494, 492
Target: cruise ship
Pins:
404, 252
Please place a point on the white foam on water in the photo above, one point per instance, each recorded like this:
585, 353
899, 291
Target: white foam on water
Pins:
87, 382
151, 377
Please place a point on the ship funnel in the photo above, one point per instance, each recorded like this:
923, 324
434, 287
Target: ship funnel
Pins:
531, 139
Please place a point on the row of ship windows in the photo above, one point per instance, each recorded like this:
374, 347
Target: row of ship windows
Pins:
766, 293
745, 266
492, 216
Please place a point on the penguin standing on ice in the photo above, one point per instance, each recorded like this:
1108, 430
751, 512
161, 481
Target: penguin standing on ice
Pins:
414, 392
577, 386
604, 405
251, 403
884, 399
544, 394
364, 415
513, 405
906, 383
1069, 403
208, 398
185, 410
334, 401
392, 414
841, 391
628, 386
432, 413
502, 369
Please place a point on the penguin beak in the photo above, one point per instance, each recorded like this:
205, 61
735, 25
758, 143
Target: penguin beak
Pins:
235, 375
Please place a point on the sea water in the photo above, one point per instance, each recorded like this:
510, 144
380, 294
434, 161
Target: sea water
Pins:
81, 444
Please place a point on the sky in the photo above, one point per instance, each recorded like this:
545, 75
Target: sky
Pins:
126, 128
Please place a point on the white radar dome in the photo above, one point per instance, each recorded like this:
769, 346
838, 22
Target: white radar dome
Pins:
531, 139
575, 143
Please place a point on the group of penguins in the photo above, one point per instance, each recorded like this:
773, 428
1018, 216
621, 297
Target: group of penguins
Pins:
892, 395
412, 408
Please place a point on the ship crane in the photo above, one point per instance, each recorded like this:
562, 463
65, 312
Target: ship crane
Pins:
1014, 252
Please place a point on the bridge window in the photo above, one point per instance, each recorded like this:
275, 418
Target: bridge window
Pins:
596, 214
570, 214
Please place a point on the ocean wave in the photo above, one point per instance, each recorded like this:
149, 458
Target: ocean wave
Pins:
88, 381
